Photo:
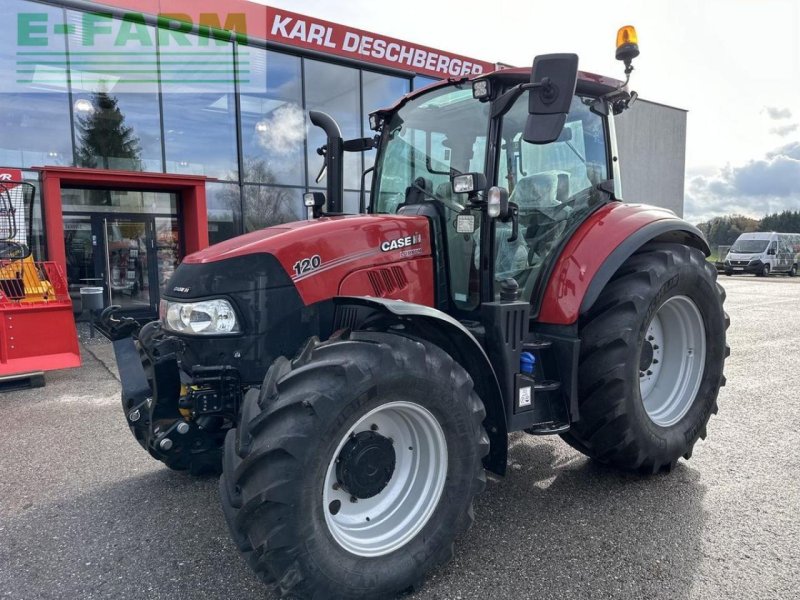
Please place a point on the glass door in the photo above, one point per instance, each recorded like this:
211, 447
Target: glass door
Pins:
129, 255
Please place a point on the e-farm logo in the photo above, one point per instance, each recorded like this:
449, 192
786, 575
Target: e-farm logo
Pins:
126, 52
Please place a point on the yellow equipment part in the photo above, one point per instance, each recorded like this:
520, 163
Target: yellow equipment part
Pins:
23, 281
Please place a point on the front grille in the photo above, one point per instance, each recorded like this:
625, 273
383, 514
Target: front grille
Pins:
740, 263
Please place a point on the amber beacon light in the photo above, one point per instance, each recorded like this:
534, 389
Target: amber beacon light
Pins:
627, 44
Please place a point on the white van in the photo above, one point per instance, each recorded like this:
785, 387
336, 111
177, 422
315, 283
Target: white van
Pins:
763, 253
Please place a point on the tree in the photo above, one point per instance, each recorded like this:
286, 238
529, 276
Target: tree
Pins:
263, 206
725, 230
105, 140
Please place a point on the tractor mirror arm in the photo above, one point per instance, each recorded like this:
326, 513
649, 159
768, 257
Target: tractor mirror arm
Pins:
504, 103
361, 144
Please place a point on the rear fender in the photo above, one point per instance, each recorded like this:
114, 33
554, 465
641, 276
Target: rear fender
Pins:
599, 248
450, 335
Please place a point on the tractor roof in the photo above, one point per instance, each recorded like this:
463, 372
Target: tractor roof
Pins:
588, 83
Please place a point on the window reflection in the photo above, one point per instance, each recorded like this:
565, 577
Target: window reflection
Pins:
115, 94
333, 89
200, 110
34, 105
273, 125
224, 205
265, 206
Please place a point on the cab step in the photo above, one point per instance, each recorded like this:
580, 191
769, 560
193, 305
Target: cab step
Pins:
548, 385
548, 428
536, 345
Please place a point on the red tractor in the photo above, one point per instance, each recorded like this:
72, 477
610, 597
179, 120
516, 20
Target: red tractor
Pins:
354, 375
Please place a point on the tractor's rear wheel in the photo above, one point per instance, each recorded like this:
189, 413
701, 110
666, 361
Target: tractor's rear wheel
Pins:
651, 364
354, 467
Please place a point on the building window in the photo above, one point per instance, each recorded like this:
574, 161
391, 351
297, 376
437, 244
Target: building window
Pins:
265, 206
273, 126
34, 105
333, 89
224, 206
378, 91
113, 71
420, 81
199, 107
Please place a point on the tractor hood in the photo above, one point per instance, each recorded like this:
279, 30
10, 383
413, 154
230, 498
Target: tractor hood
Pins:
313, 255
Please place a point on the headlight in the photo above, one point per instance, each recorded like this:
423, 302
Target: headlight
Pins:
207, 317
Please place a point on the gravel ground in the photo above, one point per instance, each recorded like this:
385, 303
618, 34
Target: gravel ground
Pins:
85, 513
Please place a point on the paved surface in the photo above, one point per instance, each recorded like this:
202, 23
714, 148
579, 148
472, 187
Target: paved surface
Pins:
84, 513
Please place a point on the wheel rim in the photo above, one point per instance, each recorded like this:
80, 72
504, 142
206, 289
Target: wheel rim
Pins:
672, 361
398, 508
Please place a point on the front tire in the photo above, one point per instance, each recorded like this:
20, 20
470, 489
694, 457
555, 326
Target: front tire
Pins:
651, 363
355, 466
764, 271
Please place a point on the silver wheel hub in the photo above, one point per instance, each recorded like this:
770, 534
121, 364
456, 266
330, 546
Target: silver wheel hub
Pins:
385, 479
672, 360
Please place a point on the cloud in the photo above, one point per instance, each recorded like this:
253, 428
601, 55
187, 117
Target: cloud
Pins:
775, 113
758, 187
784, 130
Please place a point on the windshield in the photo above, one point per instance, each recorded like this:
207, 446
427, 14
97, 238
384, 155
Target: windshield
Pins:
749, 246
431, 137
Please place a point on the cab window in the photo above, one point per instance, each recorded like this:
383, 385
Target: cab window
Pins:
553, 184
432, 137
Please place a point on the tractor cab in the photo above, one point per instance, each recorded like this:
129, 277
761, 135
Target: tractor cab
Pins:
432, 139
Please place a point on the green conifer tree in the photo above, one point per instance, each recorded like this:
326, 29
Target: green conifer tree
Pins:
105, 141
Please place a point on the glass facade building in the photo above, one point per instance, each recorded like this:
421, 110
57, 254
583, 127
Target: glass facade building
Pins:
138, 93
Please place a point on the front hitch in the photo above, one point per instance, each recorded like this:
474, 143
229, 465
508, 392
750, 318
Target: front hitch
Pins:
115, 326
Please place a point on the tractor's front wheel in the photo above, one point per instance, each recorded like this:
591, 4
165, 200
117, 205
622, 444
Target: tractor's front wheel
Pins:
354, 467
652, 355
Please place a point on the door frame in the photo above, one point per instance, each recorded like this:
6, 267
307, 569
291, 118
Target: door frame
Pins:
191, 193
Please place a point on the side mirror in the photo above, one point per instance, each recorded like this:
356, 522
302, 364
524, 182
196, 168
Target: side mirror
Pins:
552, 86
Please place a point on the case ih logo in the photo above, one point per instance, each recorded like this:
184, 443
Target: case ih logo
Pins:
403, 242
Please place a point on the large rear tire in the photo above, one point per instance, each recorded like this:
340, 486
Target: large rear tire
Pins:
651, 363
354, 467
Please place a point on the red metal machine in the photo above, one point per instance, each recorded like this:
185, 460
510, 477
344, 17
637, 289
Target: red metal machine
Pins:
352, 376
37, 329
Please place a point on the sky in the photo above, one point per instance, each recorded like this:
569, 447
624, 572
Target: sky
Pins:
733, 64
